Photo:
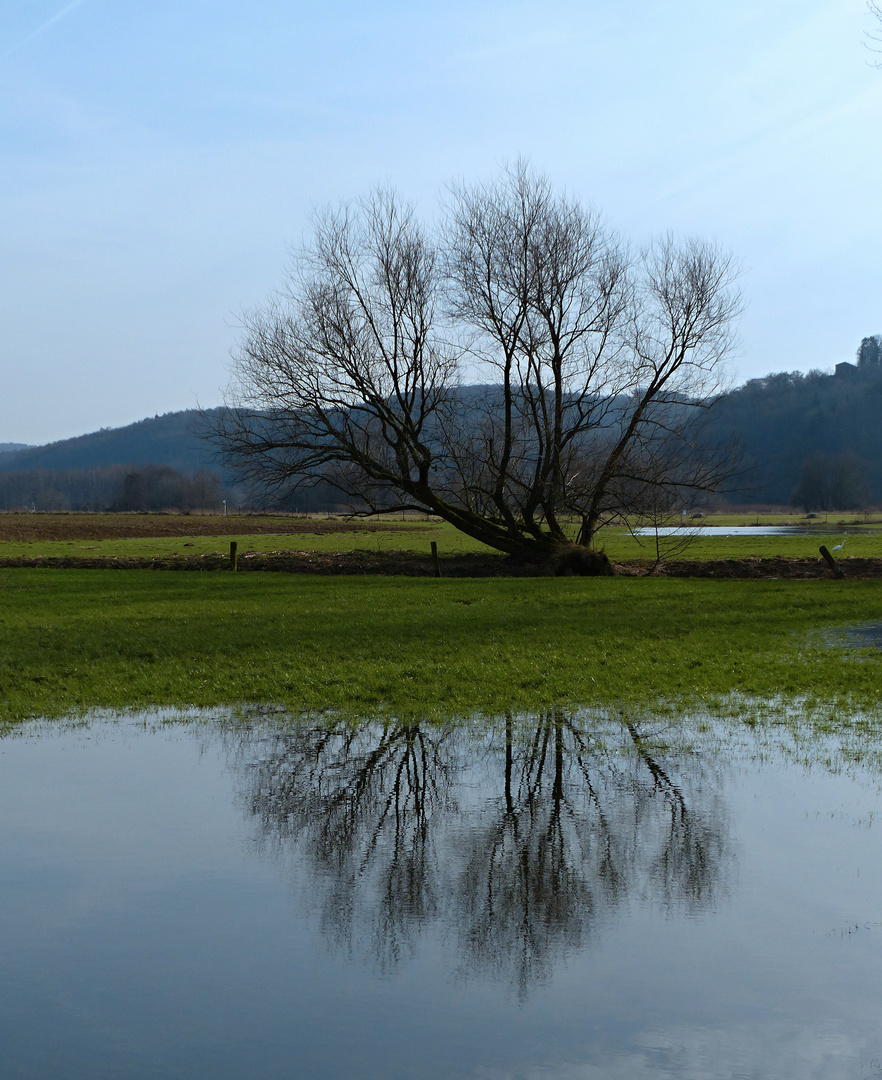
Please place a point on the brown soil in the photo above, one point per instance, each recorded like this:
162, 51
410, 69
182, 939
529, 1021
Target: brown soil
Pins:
768, 568
22, 528
398, 563
390, 563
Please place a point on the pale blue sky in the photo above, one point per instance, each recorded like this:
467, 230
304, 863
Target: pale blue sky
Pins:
159, 158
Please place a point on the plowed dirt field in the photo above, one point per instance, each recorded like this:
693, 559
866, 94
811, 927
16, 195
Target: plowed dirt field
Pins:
21, 528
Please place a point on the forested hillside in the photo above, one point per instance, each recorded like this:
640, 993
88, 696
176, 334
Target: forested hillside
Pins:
163, 462
155, 463
814, 439
171, 440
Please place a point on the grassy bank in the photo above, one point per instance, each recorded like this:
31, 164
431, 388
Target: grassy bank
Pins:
76, 639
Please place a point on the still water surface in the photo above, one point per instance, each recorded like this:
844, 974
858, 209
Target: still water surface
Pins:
709, 532
562, 897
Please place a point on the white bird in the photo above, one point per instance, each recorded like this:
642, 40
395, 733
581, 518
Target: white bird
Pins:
840, 546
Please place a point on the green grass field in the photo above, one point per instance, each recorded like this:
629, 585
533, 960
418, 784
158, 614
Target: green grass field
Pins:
396, 536
77, 639
862, 541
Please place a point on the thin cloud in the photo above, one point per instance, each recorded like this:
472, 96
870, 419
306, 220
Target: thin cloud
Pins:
43, 27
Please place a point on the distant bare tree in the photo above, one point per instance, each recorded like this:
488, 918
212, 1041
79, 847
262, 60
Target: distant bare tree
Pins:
826, 482
665, 528
596, 364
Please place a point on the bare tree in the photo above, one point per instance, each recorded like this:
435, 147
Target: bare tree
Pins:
601, 357
875, 40
831, 483
595, 363
665, 529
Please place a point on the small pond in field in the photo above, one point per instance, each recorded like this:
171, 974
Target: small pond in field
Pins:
563, 896
710, 532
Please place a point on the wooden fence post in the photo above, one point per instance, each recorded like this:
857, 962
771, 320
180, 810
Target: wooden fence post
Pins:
234, 557
435, 560
831, 562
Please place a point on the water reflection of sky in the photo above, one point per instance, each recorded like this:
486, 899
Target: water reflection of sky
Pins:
548, 898
710, 532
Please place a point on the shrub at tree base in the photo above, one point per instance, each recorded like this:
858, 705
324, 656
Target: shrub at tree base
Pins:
575, 561
560, 560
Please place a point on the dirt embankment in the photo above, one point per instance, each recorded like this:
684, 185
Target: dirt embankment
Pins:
768, 568
389, 563
406, 563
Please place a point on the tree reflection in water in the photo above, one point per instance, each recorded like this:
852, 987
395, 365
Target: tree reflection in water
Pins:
516, 839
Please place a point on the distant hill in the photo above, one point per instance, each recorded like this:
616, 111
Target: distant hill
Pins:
170, 440
790, 426
156, 464
787, 421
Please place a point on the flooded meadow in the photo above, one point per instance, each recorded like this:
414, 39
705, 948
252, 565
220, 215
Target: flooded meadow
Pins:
575, 895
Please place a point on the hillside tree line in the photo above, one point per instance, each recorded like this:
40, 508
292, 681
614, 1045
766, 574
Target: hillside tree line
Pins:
111, 488
810, 439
